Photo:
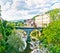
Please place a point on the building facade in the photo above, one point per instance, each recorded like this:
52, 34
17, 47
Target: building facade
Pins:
42, 20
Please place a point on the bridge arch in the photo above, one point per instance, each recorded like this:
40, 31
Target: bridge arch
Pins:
35, 34
23, 33
28, 30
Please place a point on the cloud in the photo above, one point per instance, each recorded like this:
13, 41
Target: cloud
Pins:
1, 2
57, 5
26, 9
10, 12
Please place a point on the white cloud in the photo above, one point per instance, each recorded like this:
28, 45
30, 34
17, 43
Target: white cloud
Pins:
6, 6
13, 14
45, 10
10, 11
57, 5
1, 3
37, 3
23, 12
54, 1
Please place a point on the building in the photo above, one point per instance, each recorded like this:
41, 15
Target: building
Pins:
30, 23
42, 20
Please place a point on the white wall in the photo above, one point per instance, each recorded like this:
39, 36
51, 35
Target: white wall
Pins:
42, 20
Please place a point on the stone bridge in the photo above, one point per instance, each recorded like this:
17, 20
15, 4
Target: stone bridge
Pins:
28, 30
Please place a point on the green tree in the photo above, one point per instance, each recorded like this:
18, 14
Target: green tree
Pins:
15, 43
35, 34
51, 37
5, 31
54, 14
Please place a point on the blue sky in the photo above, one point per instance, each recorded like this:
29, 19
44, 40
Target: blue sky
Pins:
26, 9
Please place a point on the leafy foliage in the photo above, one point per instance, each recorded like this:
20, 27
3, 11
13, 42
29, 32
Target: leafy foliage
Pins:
35, 34
5, 31
16, 42
13, 43
51, 36
54, 14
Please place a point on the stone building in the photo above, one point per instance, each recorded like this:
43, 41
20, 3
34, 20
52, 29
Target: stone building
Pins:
30, 23
42, 20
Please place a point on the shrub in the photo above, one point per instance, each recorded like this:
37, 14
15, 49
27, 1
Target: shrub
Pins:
51, 37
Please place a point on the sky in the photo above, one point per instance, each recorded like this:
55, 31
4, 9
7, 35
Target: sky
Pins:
26, 9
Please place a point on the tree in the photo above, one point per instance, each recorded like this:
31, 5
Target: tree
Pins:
15, 43
51, 37
35, 34
5, 31
54, 14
